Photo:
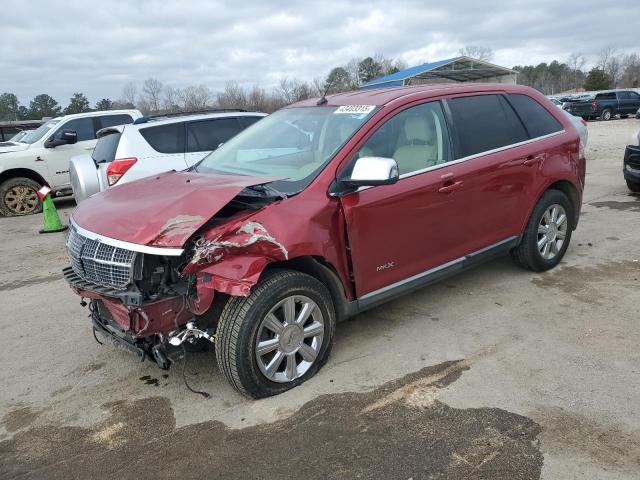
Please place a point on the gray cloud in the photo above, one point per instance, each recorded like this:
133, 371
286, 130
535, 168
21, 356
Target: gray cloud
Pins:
95, 47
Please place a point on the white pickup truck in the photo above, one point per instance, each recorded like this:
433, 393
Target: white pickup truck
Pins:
42, 157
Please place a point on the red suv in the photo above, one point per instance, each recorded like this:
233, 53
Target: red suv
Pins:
322, 210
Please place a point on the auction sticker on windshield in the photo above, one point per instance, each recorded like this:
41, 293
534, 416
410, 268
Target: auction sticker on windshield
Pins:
355, 109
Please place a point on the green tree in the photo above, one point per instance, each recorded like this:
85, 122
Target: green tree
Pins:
9, 107
104, 104
338, 80
43, 106
77, 104
368, 69
597, 80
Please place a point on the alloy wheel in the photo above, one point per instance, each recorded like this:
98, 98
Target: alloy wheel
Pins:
289, 338
21, 200
552, 231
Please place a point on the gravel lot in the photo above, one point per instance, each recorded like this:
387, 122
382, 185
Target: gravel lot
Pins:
494, 374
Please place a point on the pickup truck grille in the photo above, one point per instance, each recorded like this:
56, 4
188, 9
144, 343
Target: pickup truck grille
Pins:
99, 262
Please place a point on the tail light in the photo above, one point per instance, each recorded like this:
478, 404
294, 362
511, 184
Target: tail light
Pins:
594, 105
118, 168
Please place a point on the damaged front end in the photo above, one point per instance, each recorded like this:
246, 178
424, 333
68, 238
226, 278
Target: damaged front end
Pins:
155, 300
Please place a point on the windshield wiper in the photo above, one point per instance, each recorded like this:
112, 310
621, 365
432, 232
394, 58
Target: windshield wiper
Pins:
266, 189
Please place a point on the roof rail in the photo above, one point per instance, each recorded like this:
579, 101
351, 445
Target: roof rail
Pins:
148, 118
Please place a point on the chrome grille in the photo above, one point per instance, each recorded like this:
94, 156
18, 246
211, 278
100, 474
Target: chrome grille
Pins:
99, 262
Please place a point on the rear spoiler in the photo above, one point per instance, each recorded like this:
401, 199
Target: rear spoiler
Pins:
103, 132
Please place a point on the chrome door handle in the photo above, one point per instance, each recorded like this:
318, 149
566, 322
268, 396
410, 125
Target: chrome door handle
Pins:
532, 160
452, 187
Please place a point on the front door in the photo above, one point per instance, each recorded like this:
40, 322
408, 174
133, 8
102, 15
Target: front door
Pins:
401, 230
57, 158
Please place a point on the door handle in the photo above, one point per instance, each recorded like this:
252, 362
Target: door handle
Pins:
451, 187
532, 160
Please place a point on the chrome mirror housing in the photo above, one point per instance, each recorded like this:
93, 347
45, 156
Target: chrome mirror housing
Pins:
371, 171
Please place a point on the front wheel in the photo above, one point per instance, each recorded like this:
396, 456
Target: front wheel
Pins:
18, 196
278, 336
548, 233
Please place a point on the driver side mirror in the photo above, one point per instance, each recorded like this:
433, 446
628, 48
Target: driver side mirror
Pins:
67, 137
368, 172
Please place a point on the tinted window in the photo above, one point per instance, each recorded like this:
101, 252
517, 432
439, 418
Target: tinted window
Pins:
165, 138
248, 121
82, 126
113, 120
206, 135
105, 150
628, 96
606, 96
416, 138
483, 123
537, 120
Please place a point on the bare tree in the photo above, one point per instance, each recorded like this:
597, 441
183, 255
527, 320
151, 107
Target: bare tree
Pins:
130, 93
576, 63
630, 77
171, 99
477, 52
194, 98
152, 94
605, 56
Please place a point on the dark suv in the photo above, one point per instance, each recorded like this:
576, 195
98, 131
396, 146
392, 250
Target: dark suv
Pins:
320, 211
606, 105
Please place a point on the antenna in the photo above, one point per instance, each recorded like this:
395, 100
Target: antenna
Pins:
323, 98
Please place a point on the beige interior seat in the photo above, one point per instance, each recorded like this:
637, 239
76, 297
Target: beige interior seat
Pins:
418, 148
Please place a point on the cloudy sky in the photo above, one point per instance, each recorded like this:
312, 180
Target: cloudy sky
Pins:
95, 47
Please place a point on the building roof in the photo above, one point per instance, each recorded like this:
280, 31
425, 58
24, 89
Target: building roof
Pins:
460, 69
385, 95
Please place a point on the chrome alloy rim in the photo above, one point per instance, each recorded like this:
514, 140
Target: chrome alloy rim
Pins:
289, 338
21, 199
552, 231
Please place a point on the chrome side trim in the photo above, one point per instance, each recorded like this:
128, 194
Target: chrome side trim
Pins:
169, 252
432, 275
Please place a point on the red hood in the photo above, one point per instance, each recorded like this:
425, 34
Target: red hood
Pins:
164, 210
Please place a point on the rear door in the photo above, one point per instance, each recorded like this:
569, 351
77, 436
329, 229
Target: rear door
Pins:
204, 136
629, 102
165, 151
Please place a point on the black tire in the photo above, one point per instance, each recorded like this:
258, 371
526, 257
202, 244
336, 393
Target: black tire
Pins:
526, 254
238, 328
9, 208
633, 186
624, 116
607, 114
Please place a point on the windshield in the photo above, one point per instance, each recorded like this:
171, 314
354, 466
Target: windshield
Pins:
40, 132
293, 143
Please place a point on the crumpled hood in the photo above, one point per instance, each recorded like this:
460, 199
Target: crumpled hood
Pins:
163, 210
6, 147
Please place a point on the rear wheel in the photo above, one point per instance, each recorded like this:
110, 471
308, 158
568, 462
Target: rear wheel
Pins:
633, 186
18, 196
278, 336
607, 114
548, 233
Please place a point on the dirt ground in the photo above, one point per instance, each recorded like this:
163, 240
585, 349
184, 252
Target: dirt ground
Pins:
495, 374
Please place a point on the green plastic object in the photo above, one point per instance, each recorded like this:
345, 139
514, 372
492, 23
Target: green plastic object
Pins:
52, 221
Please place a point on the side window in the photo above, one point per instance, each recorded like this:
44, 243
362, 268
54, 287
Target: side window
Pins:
82, 126
207, 135
248, 121
606, 96
105, 121
416, 138
483, 123
537, 120
165, 138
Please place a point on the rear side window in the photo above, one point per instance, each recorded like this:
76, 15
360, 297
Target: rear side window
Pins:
82, 126
483, 123
606, 96
105, 121
537, 120
165, 138
628, 96
106, 147
207, 135
248, 121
